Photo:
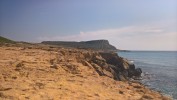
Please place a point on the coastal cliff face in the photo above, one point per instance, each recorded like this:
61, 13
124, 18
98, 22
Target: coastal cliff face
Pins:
94, 44
39, 72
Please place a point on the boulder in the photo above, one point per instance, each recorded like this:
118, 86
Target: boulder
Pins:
131, 66
98, 69
108, 73
54, 66
122, 77
99, 58
115, 74
134, 72
125, 65
138, 72
86, 63
111, 58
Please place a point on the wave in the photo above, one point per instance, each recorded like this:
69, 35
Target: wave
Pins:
159, 70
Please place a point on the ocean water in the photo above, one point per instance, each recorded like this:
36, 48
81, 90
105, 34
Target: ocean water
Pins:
159, 69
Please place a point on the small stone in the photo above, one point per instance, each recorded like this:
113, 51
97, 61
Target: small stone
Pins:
121, 92
54, 66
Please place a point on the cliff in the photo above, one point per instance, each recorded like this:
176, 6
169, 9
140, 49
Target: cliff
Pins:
94, 44
42, 72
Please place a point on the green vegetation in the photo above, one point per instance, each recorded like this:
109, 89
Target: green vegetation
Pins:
5, 40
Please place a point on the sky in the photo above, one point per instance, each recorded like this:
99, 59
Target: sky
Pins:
127, 24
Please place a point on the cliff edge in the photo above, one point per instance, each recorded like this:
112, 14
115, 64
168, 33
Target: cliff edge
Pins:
94, 44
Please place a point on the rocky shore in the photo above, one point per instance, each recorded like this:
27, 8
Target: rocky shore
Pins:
43, 72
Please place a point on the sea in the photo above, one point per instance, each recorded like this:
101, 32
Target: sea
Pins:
159, 69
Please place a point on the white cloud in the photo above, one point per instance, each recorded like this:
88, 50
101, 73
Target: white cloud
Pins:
142, 37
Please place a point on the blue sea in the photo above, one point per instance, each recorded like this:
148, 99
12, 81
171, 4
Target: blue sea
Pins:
159, 69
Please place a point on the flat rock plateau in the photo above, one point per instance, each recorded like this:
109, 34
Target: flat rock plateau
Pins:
43, 72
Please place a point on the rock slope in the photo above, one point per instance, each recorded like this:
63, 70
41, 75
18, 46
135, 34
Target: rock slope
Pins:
5, 40
40, 72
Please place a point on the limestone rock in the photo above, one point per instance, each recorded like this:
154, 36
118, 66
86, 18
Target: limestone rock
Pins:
98, 69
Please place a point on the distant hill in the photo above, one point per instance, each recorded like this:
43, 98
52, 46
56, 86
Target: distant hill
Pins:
5, 40
94, 44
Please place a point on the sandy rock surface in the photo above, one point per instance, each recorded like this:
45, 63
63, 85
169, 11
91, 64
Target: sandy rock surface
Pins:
61, 74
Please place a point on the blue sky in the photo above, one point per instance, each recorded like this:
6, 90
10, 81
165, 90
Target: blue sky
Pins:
127, 24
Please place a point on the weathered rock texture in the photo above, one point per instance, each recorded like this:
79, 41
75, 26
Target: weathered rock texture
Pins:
39, 72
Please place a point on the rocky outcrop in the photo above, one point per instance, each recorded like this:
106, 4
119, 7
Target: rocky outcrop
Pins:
106, 64
118, 67
94, 44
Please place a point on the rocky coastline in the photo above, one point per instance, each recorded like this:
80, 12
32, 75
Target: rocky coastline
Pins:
45, 72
